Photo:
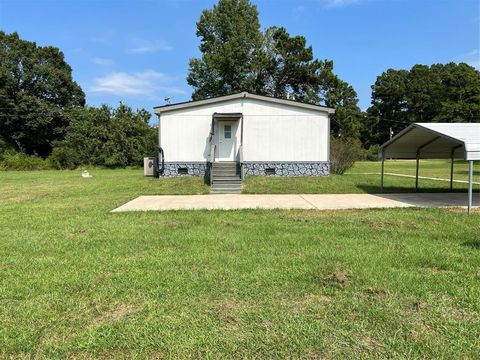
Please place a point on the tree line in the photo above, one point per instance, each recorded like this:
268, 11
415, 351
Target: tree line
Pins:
44, 121
43, 110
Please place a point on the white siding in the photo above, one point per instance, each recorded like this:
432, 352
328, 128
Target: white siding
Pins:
277, 132
271, 132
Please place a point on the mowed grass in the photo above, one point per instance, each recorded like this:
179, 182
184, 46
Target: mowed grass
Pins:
364, 177
78, 281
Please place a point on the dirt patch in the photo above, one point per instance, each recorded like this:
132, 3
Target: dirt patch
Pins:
376, 294
459, 210
300, 254
227, 313
76, 233
419, 305
228, 224
436, 270
340, 279
23, 197
118, 313
311, 300
368, 344
420, 330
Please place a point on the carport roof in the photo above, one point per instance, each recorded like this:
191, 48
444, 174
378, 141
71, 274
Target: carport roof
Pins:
435, 141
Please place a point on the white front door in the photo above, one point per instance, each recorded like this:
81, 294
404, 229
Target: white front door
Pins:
227, 141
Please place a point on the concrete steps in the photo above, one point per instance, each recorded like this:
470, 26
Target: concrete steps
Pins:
226, 178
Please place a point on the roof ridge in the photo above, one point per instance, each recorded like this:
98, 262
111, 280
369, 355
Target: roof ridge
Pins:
243, 94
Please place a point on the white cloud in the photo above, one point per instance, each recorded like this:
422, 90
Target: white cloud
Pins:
472, 58
102, 61
147, 46
340, 3
299, 9
149, 83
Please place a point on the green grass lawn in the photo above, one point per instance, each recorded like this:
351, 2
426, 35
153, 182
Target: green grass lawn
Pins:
364, 177
78, 281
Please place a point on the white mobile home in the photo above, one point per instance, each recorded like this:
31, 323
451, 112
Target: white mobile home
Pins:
258, 135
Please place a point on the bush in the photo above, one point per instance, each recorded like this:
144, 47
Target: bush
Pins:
372, 152
20, 161
64, 158
106, 137
343, 154
5, 150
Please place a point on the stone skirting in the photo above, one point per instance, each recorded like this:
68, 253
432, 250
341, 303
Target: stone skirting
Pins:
287, 168
252, 169
192, 169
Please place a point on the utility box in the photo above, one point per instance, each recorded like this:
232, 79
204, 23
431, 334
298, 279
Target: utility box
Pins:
149, 166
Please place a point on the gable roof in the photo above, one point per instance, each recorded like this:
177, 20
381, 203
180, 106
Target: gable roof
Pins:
244, 95
435, 141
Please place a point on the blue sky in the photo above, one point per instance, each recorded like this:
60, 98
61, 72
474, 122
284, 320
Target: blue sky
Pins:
138, 51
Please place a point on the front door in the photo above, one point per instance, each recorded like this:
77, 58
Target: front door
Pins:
227, 141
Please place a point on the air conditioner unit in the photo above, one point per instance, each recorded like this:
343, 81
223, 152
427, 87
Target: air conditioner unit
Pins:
149, 166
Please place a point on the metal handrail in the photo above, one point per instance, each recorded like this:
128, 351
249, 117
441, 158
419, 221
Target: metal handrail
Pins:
212, 153
211, 161
240, 155
160, 162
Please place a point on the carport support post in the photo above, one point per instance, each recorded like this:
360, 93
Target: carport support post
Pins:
451, 174
416, 173
470, 181
381, 176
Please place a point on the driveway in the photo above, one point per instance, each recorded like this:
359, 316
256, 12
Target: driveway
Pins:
295, 201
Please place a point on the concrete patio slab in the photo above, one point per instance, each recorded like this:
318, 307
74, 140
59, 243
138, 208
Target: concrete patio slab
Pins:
295, 201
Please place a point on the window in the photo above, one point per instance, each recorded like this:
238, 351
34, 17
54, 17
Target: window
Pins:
227, 131
182, 171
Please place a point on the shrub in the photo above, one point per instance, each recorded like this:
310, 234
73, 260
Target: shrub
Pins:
343, 154
372, 152
4, 149
64, 158
107, 137
20, 161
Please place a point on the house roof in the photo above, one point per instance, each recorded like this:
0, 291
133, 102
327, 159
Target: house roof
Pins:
435, 141
191, 104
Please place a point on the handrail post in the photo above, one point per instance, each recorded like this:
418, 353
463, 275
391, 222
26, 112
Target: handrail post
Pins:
241, 161
212, 160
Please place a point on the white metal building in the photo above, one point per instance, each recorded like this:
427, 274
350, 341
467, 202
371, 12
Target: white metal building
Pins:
261, 135
452, 141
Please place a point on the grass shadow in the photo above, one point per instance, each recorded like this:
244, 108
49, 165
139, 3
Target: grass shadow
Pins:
474, 244
375, 189
465, 172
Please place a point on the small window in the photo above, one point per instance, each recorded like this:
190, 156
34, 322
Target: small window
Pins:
182, 171
270, 171
227, 131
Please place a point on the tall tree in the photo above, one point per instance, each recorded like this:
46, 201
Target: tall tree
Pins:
346, 123
437, 93
236, 56
36, 86
290, 70
230, 40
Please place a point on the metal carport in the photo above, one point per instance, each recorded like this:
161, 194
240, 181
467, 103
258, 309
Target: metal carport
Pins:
452, 141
